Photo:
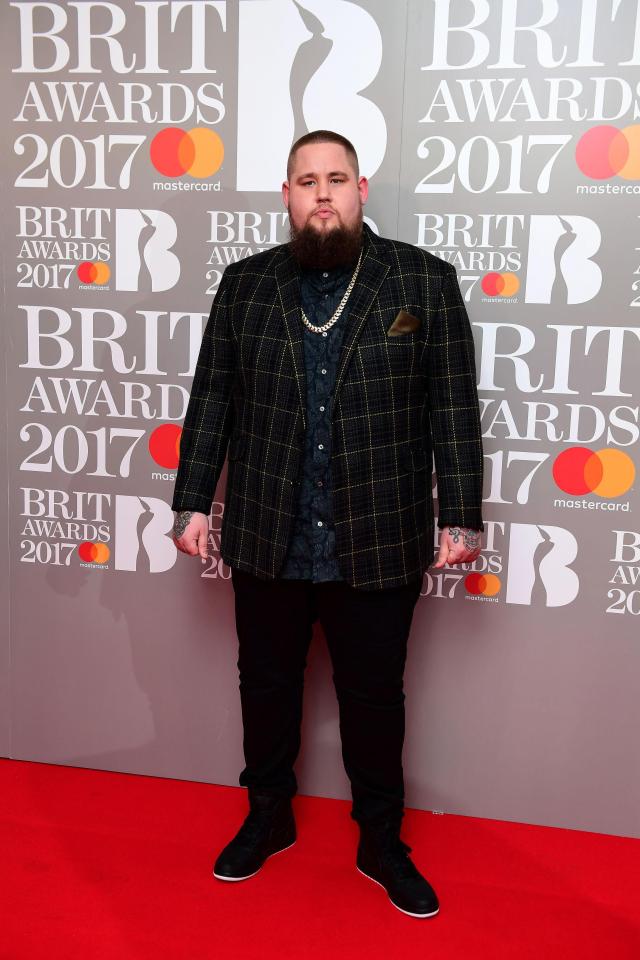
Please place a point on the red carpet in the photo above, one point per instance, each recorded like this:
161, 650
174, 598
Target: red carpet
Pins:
105, 865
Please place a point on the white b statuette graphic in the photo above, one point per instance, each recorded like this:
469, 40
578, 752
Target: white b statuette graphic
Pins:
318, 55
560, 268
144, 259
539, 557
143, 534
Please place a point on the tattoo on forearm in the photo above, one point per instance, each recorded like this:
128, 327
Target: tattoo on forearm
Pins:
181, 522
470, 538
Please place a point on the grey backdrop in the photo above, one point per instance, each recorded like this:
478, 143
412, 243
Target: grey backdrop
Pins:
500, 137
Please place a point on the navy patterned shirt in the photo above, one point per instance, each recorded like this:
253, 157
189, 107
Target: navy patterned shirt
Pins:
311, 551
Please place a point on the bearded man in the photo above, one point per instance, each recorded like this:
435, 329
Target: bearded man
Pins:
333, 370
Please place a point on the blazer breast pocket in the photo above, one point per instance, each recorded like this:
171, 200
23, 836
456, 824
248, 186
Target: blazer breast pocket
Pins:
404, 322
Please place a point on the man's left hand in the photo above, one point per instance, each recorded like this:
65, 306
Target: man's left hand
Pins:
458, 545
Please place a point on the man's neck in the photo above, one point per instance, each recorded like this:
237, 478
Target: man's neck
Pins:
331, 271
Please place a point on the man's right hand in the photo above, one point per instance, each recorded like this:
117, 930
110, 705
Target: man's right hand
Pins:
191, 533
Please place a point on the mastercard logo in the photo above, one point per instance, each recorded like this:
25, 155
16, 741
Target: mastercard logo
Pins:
500, 284
164, 445
482, 584
198, 152
605, 151
97, 273
607, 473
94, 552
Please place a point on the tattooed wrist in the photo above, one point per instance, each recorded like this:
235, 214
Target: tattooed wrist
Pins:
470, 538
181, 522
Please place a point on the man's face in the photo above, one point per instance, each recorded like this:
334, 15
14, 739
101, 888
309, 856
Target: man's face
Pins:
323, 191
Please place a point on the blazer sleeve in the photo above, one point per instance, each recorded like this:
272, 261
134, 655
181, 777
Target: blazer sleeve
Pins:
454, 410
209, 417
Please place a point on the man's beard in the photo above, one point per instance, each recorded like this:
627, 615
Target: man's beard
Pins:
325, 249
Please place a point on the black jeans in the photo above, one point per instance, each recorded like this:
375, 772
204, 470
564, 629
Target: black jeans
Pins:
367, 634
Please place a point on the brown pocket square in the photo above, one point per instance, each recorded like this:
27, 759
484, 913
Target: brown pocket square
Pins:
403, 323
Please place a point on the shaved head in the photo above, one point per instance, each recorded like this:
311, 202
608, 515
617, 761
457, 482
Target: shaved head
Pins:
323, 136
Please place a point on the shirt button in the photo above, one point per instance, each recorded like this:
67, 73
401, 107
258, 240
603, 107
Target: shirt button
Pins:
323, 370
325, 274
320, 446
319, 483
322, 408
324, 333
319, 523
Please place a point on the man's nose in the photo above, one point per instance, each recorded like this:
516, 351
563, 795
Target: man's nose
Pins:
323, 190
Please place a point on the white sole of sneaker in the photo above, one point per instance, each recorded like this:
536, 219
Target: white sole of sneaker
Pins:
408, 912
219, 876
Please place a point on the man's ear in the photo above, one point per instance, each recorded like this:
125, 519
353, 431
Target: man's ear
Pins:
285, 193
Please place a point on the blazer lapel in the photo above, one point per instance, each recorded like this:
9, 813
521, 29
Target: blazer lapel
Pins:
373, 270
288, 282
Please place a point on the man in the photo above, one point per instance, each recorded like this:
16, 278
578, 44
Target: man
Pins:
334, 367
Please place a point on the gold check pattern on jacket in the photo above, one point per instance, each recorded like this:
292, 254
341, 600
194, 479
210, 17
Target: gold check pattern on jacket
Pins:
400, 402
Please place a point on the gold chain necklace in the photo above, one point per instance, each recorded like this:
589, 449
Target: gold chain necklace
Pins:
341, 305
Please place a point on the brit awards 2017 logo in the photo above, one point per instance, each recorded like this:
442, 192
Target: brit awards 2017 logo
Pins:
318, 57
88, 238
60, 526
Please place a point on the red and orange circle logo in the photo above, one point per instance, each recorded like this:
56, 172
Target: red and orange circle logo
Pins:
500, 284
97, 273
93, 552
605, 151
198, 152
164, 445
482, 584
607, 472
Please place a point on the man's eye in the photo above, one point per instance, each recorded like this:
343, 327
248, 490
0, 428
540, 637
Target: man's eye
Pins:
307, 183
337, 180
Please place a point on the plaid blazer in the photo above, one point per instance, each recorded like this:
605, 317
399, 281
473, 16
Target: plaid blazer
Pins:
403, 397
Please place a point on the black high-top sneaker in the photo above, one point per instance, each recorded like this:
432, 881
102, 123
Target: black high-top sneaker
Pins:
269, 827
384, 858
